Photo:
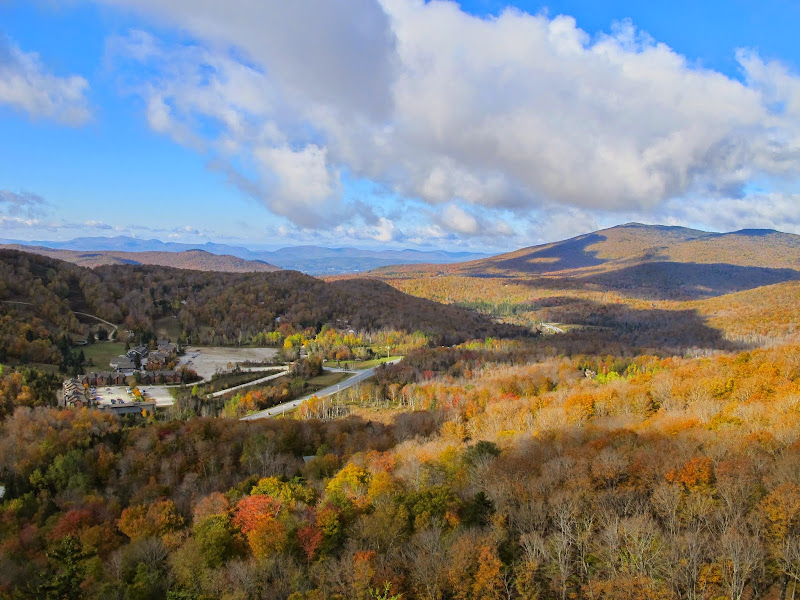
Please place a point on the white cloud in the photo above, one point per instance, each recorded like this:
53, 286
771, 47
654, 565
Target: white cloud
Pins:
526, 109
383, 231
303, 182
475, 115
26, 85
757, 211
457, 219
15, 222
471, 222
94, 224
337, 54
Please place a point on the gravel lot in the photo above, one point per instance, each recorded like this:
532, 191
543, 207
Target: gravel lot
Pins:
208, 360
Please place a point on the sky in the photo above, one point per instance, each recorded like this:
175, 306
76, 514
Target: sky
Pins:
475, 125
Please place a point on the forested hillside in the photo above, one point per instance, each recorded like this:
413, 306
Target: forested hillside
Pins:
483, 471
40, 296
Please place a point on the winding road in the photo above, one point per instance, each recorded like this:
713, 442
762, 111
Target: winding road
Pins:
323, 393
112, 334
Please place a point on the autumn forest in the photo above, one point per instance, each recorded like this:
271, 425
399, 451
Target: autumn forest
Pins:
617, 417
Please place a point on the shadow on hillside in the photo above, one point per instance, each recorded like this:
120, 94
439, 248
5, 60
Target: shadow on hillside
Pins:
671, 280
570, 254
609, 328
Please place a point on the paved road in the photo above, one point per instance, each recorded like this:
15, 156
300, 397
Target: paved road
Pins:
323, 393
256, 382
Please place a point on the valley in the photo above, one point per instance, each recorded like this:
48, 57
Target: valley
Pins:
612, 416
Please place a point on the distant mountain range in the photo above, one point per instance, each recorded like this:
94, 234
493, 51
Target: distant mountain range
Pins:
314, 260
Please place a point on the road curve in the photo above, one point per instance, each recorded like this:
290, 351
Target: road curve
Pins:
323, 393
95, 317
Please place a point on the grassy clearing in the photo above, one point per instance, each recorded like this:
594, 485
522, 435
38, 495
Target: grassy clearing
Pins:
326, 379
102, 352
225, 381
167, 328
364, 364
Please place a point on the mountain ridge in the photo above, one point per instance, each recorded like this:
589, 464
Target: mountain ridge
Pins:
644, 261
311, 259
628, 244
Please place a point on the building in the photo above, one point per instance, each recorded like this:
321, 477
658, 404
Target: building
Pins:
158, 359
129, 408
160, 377
123, 364
103, 378
168, 347
74, 394
140, 351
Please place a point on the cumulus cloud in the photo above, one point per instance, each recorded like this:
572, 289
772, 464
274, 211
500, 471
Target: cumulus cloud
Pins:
519, 112
383, 230
469, 222
26, 85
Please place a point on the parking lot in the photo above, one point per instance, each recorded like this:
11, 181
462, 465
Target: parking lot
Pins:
209, 360
119, 394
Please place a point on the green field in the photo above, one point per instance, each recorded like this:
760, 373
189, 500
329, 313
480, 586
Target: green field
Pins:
363, 364
326, 379
101, 353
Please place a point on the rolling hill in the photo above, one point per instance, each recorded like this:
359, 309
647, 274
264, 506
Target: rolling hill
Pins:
195, 260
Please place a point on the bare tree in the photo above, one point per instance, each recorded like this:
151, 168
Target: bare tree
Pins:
424, 555
742, 555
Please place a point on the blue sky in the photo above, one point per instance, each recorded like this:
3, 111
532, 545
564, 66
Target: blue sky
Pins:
395, 123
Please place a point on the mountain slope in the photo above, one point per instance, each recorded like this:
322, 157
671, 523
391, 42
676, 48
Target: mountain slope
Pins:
644, 261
